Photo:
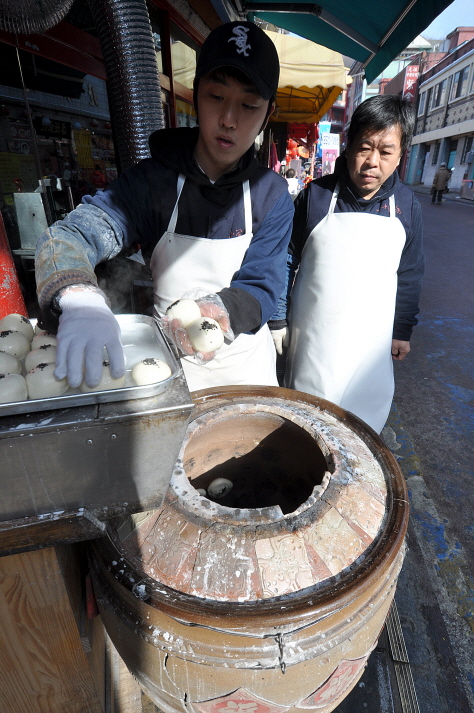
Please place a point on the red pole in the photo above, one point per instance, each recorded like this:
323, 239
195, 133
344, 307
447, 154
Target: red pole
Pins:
11, 298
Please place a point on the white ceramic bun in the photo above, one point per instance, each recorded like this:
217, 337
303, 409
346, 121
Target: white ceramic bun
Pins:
186, 310
41, 339
150, 371
43, 355
9, 364
12, 388
17, 323
106, 381
42, 384
205, 335
14, 343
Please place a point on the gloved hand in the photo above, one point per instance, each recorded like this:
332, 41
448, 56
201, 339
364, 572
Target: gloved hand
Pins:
210, 305
86, 326
280, 339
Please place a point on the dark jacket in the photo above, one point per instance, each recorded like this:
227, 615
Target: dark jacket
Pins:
136, 209
312, 206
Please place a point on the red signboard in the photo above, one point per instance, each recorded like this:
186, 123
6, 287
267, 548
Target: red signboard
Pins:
409, 84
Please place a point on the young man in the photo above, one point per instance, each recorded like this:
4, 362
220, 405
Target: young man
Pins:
357, 240
205, 214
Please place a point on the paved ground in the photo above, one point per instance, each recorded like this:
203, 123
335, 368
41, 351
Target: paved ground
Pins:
431, 432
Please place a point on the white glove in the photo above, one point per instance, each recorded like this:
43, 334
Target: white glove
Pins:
86, 326
280, 339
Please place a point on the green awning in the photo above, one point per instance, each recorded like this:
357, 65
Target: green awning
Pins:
371, 31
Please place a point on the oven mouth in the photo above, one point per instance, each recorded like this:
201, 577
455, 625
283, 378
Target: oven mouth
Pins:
251, 460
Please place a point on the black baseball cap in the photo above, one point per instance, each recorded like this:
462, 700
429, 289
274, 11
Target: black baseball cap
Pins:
245, 46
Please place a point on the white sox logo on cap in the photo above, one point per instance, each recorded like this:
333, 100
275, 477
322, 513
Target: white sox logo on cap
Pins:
240, 39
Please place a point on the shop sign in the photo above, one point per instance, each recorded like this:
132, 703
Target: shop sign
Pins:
83, 147
409, 84
54, 130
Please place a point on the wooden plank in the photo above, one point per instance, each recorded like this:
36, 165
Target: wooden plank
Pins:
43, 667
125, 695
29, 533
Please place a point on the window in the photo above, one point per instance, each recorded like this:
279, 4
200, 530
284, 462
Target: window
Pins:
183, 57
434, 160
421, 106
439, 94
466, 148
459, 83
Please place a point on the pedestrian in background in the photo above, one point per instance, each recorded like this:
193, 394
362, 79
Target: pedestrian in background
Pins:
98, 179
440, 182
294, 186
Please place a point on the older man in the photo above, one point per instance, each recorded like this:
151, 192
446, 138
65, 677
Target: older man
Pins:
357, 241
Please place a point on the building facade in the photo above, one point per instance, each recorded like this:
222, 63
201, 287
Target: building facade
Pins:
445, 117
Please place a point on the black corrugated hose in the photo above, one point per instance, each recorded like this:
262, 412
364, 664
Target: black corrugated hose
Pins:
133, 81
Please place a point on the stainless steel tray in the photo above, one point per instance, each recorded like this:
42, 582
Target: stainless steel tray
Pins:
142, 338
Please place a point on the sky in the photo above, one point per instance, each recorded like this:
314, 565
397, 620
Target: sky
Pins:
459, 14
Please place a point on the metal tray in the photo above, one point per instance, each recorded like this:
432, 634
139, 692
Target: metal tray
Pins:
142, 338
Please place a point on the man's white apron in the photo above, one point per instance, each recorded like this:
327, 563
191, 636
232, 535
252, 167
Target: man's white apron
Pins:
342, 311
182, 262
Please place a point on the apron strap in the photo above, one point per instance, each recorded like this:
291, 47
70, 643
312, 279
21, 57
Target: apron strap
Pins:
174, 214
335, 194
332, 205
391, 203
247, 208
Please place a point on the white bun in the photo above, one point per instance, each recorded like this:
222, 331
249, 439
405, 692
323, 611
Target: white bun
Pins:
150, 371
12, 388
42, 339
219, 488
14, 343
43, 355
42, 384
9, 364
186, 310
17, 323
205, 335
106, 382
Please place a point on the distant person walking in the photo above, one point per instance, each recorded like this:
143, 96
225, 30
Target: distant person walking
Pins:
294, 185
440, 181
98, 179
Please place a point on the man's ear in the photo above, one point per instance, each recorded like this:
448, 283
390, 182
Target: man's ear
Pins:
270, 111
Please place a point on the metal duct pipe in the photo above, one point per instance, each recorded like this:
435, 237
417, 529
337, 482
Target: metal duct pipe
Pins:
30, 16
132, 73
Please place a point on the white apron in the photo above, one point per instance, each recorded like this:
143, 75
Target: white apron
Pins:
182, 262
342, 311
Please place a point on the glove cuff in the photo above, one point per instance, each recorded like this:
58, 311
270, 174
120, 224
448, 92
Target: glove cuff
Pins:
80, 298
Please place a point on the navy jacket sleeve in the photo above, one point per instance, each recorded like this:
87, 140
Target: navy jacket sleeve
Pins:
410, 274
262, 273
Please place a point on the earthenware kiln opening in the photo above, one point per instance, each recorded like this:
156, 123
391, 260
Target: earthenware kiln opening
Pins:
265, 459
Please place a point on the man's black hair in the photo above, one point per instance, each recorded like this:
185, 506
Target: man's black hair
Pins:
380, 113
291, 173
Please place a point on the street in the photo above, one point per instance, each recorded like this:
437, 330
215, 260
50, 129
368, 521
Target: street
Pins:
431, 433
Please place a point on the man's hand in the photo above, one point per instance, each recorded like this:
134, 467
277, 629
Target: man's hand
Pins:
212, 306
86, 326
280, 339
399, 349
